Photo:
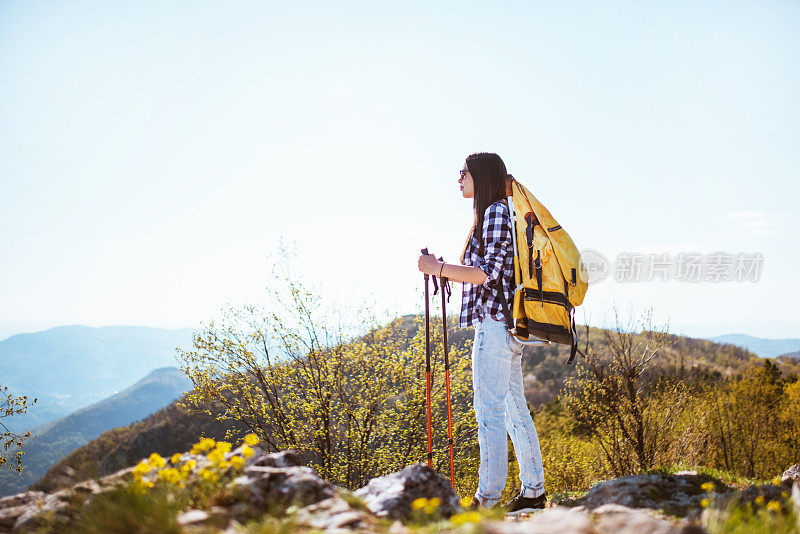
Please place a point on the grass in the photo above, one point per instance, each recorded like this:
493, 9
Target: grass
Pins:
731, 479
124, 509
768, 519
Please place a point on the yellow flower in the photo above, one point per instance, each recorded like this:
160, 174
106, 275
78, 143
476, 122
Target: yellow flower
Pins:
140, 469
188, 466
704, 503
465, 501
223, 446
251, 439
237, 462
759, 500
247, 452
170, 475
203, 445
156, 461
419, 503
708, 486
784, 494
216, 456
774, 506
175, 458
209, 475
776, 481
224, 464
466, 517
432, 505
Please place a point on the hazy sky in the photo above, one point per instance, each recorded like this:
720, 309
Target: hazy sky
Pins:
153, 154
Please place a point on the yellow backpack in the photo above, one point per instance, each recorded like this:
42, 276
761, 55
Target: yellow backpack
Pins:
550, 278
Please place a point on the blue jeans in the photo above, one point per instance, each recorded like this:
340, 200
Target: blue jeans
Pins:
500, 407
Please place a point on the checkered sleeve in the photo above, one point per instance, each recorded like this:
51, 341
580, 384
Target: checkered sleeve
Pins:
497, 241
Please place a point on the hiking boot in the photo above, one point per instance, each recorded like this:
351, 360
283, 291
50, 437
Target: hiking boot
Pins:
525, 505
476, 506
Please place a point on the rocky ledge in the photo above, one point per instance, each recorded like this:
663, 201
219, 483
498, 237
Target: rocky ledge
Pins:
278, 485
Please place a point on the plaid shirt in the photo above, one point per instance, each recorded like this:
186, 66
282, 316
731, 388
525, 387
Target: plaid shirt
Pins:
497, 258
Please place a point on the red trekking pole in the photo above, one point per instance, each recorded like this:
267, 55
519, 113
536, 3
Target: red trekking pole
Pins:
428, 366
446, 289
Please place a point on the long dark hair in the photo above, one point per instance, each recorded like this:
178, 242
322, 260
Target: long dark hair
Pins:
489, 184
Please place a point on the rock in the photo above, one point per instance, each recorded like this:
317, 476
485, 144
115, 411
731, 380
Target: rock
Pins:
87, 487
192, 517
12, 506
791, 475
770, 492
332, 515
618, 519
557, 520
275, 459
34, 513
398, 527
392, 495
674, 494
605, 519
271, 488
218, 511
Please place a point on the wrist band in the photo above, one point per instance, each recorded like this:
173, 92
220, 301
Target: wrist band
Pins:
441, 269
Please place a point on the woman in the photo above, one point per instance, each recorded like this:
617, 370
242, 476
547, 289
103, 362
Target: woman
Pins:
500, 406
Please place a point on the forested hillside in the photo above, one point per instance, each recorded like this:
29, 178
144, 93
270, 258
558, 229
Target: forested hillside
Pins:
691, 361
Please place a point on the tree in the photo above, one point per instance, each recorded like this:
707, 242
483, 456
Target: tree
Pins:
621, 400
349, 399
744, 423
11, 406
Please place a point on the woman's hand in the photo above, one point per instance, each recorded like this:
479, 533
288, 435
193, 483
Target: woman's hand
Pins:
428, 264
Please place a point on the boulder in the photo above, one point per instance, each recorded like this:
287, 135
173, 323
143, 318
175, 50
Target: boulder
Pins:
33, 514
272, 489
618, 519
392, 495
770, 492
674, 494
13, 506
333, 514
557, 520
275, 459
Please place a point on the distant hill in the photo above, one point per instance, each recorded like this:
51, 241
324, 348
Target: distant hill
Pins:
165, 431
70, 367
56, 439
764, 348
545, 371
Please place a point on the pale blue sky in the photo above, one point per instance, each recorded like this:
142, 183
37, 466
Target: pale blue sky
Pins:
152, 154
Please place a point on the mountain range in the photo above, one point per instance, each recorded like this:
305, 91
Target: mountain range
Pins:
56, 439
70, 367
764, 348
